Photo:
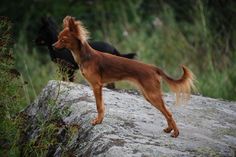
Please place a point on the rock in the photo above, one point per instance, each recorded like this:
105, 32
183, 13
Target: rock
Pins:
58, 123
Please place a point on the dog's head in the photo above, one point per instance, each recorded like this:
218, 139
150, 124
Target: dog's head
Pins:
47, 33
72, 36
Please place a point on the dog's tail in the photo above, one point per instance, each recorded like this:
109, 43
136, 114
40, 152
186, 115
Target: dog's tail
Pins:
183, 86
128, 55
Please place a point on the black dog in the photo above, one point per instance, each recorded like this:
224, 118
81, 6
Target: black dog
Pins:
47, 35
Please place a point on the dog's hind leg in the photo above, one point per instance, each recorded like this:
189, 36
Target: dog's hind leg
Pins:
168, 116
153, 95
158, 102
97, 90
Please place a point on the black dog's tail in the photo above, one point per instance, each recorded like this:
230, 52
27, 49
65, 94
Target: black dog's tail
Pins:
128, 55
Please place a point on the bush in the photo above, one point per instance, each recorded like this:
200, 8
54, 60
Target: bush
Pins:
12, 99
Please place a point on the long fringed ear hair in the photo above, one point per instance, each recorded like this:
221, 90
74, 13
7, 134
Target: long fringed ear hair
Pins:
72, 26
66, 21
78, 28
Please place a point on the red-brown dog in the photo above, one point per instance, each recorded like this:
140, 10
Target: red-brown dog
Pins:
100, 68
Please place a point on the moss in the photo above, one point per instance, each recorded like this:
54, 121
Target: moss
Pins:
205, 151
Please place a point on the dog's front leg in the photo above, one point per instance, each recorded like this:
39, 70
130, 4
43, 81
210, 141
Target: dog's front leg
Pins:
97, 90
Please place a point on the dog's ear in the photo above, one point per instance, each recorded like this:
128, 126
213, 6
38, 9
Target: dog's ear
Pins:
66, 21
71, 24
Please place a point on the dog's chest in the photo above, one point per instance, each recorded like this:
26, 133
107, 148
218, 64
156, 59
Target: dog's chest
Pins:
89, 73
84, 71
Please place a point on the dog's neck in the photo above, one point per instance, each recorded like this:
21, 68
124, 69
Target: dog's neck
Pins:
82, 52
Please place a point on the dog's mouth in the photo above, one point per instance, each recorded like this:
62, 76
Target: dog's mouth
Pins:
56, 46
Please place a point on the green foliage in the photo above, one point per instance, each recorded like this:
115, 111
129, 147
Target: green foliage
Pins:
199, 34
11, 97
52, 130
35, 66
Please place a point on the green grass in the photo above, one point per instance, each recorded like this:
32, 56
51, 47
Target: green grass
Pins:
172, 44
11, 96
35, 71
156, 36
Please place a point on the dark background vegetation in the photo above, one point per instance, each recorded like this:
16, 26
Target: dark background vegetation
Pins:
198, 33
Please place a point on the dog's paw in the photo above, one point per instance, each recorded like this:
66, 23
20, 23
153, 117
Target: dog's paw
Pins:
96, 121
167, 130
175, 134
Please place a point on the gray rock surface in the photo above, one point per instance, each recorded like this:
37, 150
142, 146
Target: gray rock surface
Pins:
131, 127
